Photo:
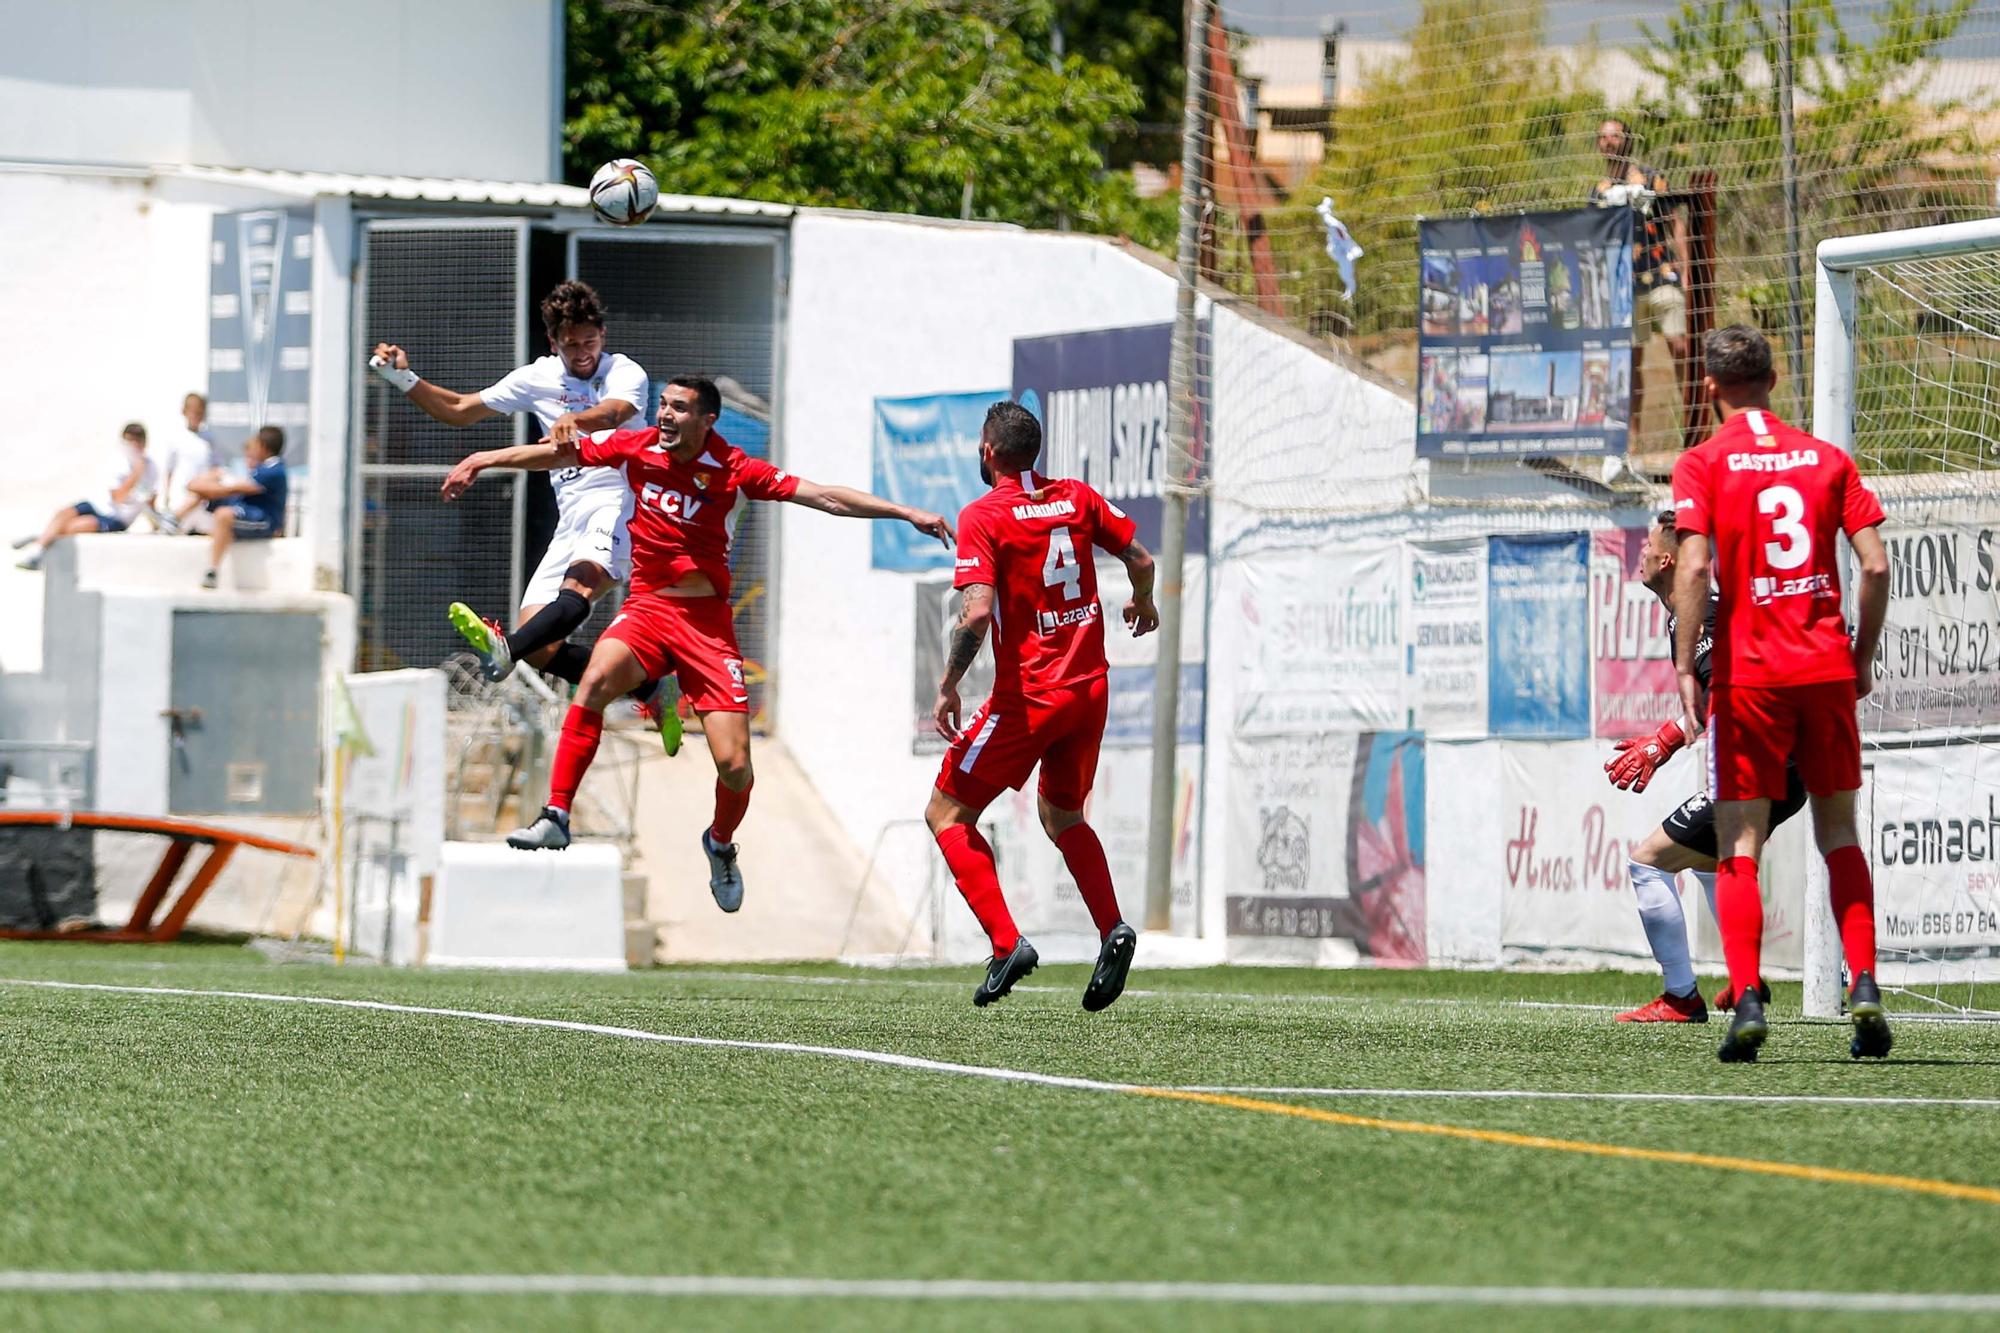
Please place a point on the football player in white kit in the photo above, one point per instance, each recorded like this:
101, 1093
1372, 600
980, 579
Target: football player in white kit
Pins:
577, 390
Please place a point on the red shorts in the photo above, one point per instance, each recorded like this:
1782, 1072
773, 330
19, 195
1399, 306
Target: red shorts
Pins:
693, 637
1753, 729
1061, 730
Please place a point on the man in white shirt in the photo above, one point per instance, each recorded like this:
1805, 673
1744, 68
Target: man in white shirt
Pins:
129, 486
189, 458
578, 389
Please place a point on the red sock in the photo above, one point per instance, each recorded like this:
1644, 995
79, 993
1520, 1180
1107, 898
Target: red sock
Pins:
1084, 855
582, 729
730, 807
1853, 892
970, 857
1739, 911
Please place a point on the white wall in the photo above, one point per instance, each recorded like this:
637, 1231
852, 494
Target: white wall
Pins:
881, 308
465, 88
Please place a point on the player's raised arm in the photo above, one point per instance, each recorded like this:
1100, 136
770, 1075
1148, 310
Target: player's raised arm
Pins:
392, 364
846, 502
975, 614
1871, 601
542, 456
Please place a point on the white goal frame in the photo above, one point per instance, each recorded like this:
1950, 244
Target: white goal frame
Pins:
1833, 421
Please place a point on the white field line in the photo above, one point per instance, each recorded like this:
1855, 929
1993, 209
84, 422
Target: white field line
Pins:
967, 1289
994, 1072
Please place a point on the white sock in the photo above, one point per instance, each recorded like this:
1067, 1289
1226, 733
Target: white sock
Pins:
1707, 878
1666, 926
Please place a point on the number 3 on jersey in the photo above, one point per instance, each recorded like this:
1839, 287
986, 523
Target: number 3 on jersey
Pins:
1061, 567
1792, 544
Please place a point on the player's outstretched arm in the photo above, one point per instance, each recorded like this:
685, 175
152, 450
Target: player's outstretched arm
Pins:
1871, 600
1691, 572
1140, 613
609, 414
975, 613
846, 502
392, 364
543, 456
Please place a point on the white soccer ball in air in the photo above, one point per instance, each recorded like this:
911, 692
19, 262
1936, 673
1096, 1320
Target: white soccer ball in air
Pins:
623, 192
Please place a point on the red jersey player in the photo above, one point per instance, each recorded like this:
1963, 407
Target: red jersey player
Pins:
1761, 505
689, 484
1025, 568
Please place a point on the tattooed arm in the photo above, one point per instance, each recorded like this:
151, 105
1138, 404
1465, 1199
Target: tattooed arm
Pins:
975, 613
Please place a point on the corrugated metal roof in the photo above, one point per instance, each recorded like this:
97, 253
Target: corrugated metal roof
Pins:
536, 194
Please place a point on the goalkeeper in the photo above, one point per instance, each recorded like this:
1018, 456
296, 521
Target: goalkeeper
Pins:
1685, 840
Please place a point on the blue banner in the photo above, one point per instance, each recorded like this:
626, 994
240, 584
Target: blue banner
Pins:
927, 455
1538, 653
260, 329
1101, 397
1129, 717
1525, 344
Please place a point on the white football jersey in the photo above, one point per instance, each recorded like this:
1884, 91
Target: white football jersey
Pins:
546, 388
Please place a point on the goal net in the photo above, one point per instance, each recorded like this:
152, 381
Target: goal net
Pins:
1907, 375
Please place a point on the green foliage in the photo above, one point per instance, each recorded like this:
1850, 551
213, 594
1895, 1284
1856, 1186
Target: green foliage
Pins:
896, 105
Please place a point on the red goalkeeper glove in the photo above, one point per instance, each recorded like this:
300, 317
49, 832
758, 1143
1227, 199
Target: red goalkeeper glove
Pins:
1637, 759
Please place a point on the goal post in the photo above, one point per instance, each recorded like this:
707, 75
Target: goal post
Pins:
1906, 378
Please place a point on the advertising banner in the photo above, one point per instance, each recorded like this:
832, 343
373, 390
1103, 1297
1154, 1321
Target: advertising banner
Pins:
1630, 652
1327, 840
1446, 651
1101, 397
1938, 661
1526, 336
1319, 644
1933, 837
260, 329
1538, 617
926, 455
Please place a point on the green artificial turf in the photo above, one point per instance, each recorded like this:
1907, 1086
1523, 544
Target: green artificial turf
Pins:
209, 1134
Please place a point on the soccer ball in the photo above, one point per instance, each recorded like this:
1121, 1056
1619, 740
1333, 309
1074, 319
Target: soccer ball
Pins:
623, 192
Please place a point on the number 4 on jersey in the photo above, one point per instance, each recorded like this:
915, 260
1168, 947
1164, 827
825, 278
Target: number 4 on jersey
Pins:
1061, 566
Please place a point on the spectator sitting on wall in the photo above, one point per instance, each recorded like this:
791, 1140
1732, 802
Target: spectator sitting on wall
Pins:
189, 457
1659, 252
247, 508
131, 484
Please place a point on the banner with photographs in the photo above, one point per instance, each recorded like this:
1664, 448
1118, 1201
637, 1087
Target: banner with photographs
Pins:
1538, 630
927, 456
1446, 654
260, 329
1327, 841
1526, 339
1631, 654
1938, 661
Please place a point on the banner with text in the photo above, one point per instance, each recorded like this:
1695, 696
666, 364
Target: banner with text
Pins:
926, 455
1538, 619
1938, 661
1319, 645
1634, 659
1525, 344
1445, 656
1101, 397
1933, 835
1327, 840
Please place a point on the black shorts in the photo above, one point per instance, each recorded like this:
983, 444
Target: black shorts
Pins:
1692, 824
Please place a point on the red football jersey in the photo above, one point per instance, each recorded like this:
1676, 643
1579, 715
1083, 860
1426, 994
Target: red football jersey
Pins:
1030, 538
684, 514
1773, 499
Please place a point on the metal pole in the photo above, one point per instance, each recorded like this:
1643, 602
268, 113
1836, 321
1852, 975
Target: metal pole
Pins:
1795, 344
1174, 494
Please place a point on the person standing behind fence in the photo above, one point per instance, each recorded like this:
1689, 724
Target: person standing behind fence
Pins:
1659, 253
130, 487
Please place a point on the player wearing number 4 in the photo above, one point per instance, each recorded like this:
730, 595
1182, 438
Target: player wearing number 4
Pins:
690, 484
1760, 506
1025, 569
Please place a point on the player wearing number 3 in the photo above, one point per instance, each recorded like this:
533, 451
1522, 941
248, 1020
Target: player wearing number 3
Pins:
1761, 505
1025, 569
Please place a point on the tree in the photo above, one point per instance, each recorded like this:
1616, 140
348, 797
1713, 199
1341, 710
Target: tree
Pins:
937, 107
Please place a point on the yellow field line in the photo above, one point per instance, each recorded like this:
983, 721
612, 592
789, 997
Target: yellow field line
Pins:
1819, 1174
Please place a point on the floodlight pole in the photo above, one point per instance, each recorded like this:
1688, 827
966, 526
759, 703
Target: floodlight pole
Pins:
1174, 488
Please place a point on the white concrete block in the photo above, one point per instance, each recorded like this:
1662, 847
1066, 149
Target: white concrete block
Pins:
493, 906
